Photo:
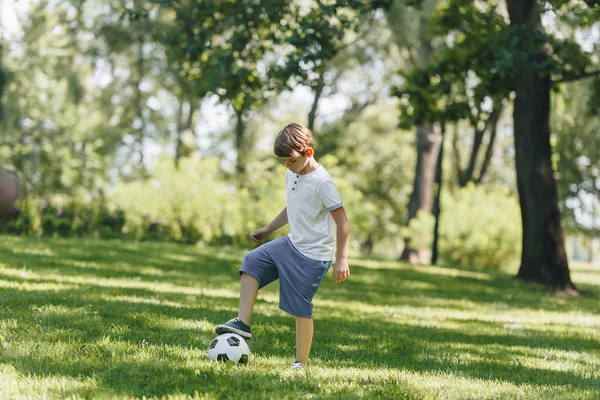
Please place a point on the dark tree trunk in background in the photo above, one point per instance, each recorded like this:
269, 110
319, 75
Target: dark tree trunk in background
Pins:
468, 174
312, 115
240, 146
185, 123
428, 147
429, 140
3, 82
139, 108
543, 259
489, 151
437, 204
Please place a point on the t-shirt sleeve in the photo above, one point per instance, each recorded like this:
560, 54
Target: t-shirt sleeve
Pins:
329, 196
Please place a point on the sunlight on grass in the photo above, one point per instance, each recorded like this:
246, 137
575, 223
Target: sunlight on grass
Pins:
33, 287
444, 271
95, 319
430, 269
58, 280
16, 385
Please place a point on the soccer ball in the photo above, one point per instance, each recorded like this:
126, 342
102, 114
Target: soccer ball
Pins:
229, 347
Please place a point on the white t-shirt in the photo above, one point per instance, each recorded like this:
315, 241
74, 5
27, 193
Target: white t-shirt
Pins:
310, 199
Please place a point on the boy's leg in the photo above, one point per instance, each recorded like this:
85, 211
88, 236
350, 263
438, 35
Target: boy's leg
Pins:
258, 269
241, 325
248, 292
304, 337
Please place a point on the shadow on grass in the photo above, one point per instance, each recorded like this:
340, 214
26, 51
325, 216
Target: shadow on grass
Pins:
148, 263
376, 343
408, 285
141, 341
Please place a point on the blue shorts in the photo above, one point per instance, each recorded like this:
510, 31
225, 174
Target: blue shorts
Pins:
299, 276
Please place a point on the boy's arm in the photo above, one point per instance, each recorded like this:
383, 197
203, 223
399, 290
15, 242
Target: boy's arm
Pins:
340, 269
279, 221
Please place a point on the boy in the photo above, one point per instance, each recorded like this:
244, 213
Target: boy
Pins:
301, 259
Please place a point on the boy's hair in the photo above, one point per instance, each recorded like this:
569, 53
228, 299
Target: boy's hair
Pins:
293, 138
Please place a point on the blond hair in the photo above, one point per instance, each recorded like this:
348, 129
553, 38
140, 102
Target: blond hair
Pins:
293, 138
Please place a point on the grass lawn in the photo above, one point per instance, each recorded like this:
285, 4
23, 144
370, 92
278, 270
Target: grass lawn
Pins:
110, 319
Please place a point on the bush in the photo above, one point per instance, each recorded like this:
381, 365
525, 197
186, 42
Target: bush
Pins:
66, 216
196, 204
27, 222
420, 230
480, 227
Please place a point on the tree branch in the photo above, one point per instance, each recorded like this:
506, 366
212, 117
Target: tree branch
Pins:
577, 77
457, 160
493, 128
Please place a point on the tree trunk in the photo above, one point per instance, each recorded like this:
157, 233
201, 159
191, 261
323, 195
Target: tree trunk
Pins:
593, 233
493, 129
543, 258
429, 140
179, 139
468, 175
184, 124
437, 205
312, 115
3, 82
139, 107
240, 146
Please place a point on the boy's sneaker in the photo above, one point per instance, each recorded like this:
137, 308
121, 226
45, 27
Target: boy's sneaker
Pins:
234, 325
297, 365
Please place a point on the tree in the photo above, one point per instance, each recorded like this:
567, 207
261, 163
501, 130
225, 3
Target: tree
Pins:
413, 33
523, 58
544, 257
226, 48
325, 40
576, 125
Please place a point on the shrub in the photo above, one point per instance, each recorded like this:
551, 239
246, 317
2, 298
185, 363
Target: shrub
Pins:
480, 227
420, 230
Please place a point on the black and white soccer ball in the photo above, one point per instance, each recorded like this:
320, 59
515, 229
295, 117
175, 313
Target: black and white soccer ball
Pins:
229, 347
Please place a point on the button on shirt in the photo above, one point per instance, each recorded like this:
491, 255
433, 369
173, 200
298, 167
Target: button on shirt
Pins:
310, 200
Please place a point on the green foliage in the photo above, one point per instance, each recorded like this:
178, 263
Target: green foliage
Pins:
66, 216
480, 227
576, 158
479, 58
221, 46
373, 154
188, 204
316, 36
193, 204
420, 230
4, 76
28, 222
462, 72
61, 132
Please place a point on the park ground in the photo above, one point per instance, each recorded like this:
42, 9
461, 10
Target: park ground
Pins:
111, 319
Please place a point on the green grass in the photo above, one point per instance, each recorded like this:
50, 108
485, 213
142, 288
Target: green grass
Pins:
110, 319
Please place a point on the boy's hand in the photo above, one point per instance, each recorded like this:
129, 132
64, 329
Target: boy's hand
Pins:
341, 272
259, 234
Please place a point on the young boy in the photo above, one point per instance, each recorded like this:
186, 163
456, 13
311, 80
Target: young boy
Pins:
301, 259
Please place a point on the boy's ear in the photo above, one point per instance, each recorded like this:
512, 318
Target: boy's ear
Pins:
309, 152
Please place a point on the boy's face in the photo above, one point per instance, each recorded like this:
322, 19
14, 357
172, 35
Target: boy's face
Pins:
296, 162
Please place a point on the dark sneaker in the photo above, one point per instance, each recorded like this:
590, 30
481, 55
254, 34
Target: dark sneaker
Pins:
235, 325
